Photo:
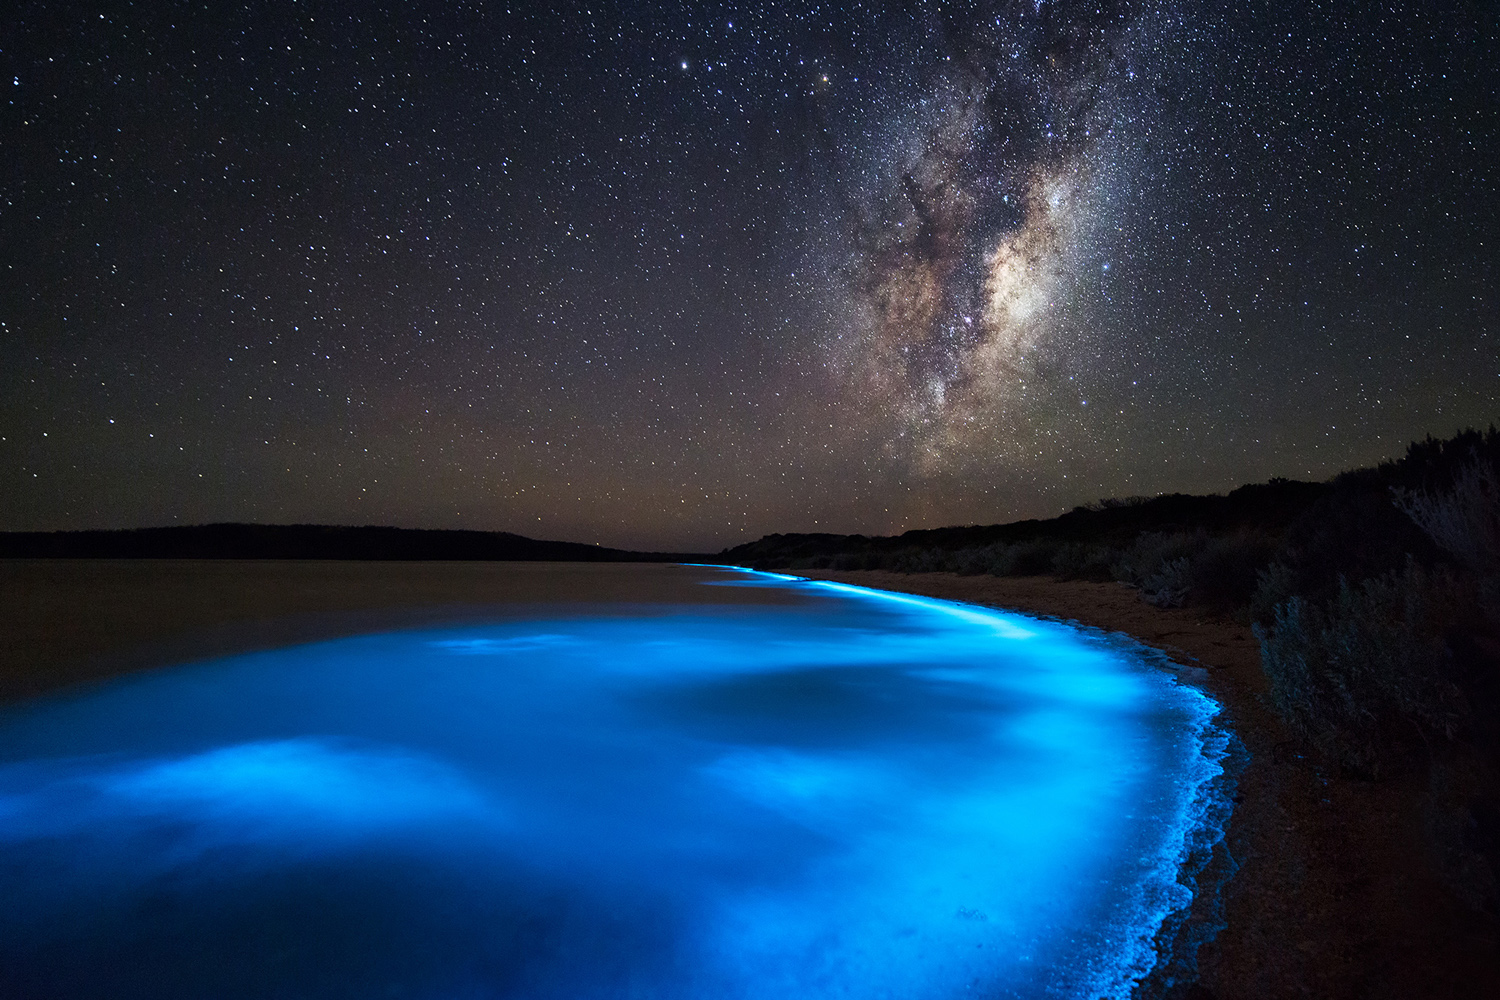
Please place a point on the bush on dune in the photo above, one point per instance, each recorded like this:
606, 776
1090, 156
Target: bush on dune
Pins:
1031, 558
1373, 659
1363, 674
1084, 561
1464, 521
1403, 667
1147, 562
1226, 571
976, 560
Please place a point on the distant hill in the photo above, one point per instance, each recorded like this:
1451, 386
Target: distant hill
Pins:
310, 541
1266, 507
1212, 550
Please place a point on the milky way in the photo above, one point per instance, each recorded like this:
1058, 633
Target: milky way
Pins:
680, 274
970, 238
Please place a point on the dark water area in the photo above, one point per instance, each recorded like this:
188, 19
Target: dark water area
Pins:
796, 790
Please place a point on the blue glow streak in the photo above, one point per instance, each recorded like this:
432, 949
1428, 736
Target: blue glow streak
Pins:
857, 793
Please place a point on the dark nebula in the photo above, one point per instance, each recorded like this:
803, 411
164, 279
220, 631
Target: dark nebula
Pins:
678, 275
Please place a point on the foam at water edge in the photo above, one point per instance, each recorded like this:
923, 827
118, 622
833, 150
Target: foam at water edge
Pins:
1191, 880
1164, 952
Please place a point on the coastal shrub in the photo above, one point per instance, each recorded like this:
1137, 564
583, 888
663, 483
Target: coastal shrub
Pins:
1146, 557
1115, 503
1362, 673
856, 560
1174, 569
1275, 582
1353, 531
1029, 558
1225, 573
974, 560
1464, 521
1169, 585
1083, 561
917, 560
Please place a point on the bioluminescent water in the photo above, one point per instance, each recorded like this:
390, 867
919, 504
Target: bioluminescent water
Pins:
836, 793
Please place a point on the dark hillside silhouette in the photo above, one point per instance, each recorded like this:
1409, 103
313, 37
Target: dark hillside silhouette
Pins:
310, 541
1261, 507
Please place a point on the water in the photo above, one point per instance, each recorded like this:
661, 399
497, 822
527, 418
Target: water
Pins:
817, 792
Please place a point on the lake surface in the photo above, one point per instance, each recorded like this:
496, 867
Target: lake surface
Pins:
790, 790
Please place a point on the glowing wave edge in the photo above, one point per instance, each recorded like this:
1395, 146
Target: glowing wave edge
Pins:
839, 793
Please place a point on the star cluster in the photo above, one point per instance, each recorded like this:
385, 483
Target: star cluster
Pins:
680, 274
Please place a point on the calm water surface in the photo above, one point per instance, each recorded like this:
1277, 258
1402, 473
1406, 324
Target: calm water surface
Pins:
795, 790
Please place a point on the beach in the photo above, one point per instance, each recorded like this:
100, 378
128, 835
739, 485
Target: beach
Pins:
1334, 896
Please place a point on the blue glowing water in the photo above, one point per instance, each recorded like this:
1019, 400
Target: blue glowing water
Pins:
847, 794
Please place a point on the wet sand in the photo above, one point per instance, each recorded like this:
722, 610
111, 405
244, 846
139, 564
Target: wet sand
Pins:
1336, 896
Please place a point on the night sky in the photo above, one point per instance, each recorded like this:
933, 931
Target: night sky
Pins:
679, 275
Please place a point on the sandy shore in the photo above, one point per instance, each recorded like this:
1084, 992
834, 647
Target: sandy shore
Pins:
1335, 896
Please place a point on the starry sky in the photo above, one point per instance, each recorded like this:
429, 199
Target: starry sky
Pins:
676, 275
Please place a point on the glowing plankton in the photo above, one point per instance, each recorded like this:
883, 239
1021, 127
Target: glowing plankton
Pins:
841, 793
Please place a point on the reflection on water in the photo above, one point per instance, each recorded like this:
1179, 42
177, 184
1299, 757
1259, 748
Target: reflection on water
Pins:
849, 794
